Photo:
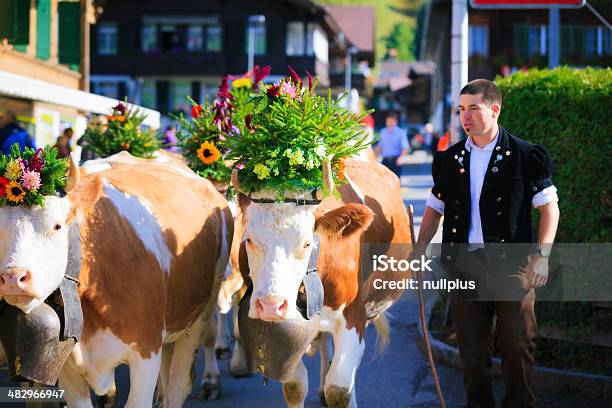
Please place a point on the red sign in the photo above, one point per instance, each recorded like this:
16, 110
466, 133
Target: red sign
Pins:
526, 4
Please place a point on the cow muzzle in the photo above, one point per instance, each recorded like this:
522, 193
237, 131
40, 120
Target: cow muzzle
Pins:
16, 285
272, 308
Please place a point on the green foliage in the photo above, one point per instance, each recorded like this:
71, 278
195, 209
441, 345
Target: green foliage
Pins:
123, 132
40, 164
391, 16
292, 131
567, 111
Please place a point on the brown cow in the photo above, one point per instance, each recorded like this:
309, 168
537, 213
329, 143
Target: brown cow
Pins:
155, 240
282, 240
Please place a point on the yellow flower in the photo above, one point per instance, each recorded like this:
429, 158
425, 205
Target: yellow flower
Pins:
15, 192
262, 171
239, 83
208, 153
13, 170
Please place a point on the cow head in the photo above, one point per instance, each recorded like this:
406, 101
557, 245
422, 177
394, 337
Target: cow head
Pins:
34, 246
283, 241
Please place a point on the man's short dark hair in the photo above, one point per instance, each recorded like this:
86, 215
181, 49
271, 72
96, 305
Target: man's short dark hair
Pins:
488, 89
391, 115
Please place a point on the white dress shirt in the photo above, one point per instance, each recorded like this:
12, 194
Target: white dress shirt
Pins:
479, 161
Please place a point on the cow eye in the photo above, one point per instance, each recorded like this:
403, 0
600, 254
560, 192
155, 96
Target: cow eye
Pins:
57, 227
248, 241
306, 245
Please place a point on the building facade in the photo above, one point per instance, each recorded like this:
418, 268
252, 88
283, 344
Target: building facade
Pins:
156, 52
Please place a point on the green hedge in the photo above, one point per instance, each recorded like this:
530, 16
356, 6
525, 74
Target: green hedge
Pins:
570, 112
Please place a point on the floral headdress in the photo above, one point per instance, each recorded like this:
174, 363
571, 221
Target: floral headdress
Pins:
27, 177
201, 139
123, 132
284, 146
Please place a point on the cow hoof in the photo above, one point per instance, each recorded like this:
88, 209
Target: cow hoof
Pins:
337, 397
210, 391
223, 353
322, 398
104, 401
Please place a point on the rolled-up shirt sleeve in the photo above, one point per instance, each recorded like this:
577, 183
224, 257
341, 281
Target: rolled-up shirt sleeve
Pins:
435, 203
548, 195
540, 169
404, 138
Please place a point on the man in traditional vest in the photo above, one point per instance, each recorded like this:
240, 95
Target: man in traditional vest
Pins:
485, 187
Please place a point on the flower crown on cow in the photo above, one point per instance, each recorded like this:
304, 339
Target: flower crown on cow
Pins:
27, 177
201, 138
124, 131
294, 140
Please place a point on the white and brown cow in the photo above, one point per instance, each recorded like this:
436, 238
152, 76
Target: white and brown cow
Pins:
155, 240
281, 239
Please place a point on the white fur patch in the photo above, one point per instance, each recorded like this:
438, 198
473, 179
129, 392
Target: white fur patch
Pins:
356, 189
142, 219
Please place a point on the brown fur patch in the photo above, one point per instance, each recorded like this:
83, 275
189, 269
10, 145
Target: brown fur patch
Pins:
345, 221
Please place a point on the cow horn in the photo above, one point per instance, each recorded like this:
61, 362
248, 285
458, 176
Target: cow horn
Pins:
234, 180
328, 177
73, 176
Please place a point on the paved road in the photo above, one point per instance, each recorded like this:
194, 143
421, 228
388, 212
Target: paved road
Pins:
399, 377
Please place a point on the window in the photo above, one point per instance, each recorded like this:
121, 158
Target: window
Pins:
178, 96
597, 41
108, 88
169, 38
478, 40
572, 40
295, 38
195, 38
149, 38
148, 94
259, 38
107, 38
213, 37
530, 40
310, 28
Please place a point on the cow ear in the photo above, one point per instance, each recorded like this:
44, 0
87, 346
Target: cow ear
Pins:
243, 202
344, 221
86, 193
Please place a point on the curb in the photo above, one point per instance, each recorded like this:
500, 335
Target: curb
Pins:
592, 386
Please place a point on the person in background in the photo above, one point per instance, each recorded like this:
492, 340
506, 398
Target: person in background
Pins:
428, 136
11, 133
444, 141
393, 144
65, 143
170, 139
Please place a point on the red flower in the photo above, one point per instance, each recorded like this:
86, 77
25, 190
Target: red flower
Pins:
223, 92
37, 162
248, 121
120, 108
3, 183
273, 92
309, 81
259, 75
295, 78
196, 111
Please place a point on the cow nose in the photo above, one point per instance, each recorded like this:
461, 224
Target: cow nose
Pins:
272, 307
15, 281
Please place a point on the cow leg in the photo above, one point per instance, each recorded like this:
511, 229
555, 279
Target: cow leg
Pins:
164, 373
238, 364
296, 389
76, 390
325, 350
222, 348
143, 378
340, 381
210, 389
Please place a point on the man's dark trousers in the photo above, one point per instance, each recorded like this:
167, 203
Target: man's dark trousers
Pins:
391, 163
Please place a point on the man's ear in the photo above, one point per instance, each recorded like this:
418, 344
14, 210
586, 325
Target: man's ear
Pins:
344, 221
496, 108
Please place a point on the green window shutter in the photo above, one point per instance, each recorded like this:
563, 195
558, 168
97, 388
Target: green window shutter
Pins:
6, 22
43, 29
521, 39
21, 28
69, 33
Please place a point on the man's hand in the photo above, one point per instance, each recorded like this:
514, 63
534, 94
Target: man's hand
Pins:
536, 271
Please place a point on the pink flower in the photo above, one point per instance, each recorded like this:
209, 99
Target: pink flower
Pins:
30, 180
288, 89
240, 166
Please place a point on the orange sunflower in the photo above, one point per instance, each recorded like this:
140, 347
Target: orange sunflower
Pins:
15, 192
208, 153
